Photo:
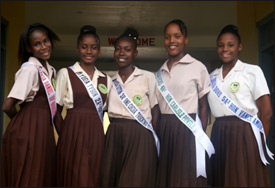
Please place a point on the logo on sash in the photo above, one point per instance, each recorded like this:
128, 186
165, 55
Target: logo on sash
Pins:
137, 99
234, 87
102, 88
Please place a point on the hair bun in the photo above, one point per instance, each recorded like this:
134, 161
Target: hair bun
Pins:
230, 28
131, 32
88, 29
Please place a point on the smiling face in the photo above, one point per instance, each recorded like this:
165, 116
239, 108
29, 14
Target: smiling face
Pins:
174, 41
39, 45
228, 48
88, 49
125, 52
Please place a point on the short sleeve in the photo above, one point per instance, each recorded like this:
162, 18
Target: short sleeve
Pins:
260, 86
61, 86
152, 90
25, 79
204, 84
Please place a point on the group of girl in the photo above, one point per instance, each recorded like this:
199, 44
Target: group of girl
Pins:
156, 135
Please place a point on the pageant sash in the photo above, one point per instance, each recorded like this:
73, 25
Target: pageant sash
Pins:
203, 143
254, 121
94, 94
135, 112
50, 92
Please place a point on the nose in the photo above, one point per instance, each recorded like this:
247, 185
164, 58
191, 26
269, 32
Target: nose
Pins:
121, 52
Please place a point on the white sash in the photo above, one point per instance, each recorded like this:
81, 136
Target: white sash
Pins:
93, 92
254, 121
50, 92
202, 140
135, 112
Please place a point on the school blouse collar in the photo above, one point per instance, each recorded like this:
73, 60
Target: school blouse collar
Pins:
97, 73
239, 66
136, 73
184, 60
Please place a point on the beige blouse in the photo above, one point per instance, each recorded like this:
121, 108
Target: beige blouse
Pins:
141, 84
188, 81
64, 92
27, 78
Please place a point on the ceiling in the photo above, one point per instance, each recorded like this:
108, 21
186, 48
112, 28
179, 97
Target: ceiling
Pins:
204, 20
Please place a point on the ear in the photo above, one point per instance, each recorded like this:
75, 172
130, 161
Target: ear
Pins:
135, 53
186, 40
240, 47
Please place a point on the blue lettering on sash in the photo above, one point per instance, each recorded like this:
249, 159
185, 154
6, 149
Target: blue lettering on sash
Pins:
126, 101
245, 115
122, 96
217, 91
225, 100
233, 108
258, 123
132, 108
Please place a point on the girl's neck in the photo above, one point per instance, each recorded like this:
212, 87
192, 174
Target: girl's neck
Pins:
125, 72
173, 59
88, 68
227, 67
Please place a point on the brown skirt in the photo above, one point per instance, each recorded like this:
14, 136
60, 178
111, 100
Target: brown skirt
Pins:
236, 162
80, 148
130, 156
28, 156
177, 162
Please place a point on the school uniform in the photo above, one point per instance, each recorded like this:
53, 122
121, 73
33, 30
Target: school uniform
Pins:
188, 81
130, 156
236, 161
28, 148
81, 141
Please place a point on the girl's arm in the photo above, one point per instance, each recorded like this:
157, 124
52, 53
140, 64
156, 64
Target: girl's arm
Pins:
265, 111
9, 107
155, 111
58, 119
203, 111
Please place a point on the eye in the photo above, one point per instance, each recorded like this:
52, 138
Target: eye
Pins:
83, 47
94, 47
166, 37
177, 36
117, 49
36, 44
220, 45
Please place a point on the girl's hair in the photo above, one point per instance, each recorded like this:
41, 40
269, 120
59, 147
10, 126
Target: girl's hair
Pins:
181, 25
88, 29
230, 29
24, 40
129, 33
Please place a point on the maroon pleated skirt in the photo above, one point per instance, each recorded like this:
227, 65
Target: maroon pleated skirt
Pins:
28, 148
130, 156
80, 149
236, 162
177, 162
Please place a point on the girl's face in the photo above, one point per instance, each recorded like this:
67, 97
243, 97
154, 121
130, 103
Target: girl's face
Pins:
228, 48
88, 49
40, 45
125, 52
174, 41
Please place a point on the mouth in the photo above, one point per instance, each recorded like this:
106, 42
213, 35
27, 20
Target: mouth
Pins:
121, 60
172, 47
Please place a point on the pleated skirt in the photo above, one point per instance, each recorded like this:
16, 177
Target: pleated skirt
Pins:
80, 148
130, 156
28, 157
236, 162
177, 162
